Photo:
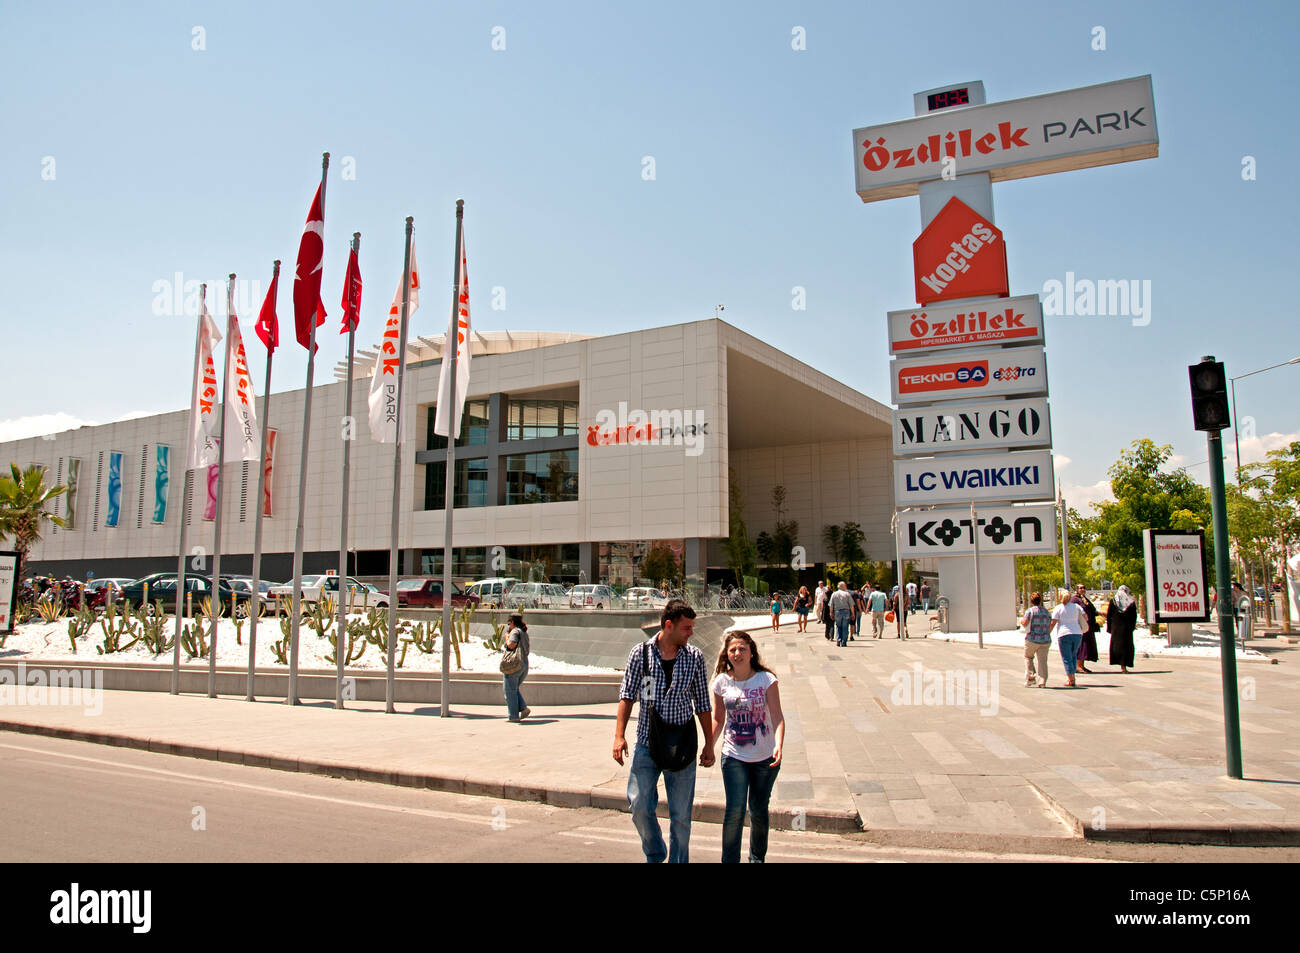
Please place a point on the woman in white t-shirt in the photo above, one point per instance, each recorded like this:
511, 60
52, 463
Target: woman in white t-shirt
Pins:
1070, 620
747, 717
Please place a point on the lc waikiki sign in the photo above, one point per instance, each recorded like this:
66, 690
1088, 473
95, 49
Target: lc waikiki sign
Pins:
994, 476
1056, 132
959, 255
1020, 371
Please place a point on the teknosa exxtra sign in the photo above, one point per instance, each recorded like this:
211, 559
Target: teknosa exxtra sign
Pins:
1176, 575
993, 476
985, 426
960, 254
970, 375
1056, 132
1003, 531
996, 321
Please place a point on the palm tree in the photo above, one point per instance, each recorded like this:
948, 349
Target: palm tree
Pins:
24, 504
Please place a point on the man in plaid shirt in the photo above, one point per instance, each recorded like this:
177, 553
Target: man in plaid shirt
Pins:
678, 684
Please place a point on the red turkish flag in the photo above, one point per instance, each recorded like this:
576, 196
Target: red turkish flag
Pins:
306, 280
268, 325
351, 295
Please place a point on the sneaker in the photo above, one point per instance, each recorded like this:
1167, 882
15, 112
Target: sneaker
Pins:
525, 713
513, 720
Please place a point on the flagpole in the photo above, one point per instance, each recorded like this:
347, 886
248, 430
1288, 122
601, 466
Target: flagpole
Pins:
214, 595
390, 685
341, 646
186, 495
295, 623
255, 607
453, 431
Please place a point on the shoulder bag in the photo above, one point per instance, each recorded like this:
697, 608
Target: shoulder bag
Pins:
512, 660
672, 747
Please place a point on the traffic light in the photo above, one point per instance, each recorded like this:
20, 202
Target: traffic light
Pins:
1209, 395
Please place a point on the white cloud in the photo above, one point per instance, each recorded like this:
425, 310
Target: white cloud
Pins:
1061, 461
1082, 497
38, 425
1253, 449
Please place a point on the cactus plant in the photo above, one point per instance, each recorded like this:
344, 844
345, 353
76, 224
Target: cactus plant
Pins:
154, 628
79, 624
193, 640
322, 615
356, 646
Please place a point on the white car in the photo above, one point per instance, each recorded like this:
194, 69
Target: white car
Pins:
645, 597
361, 595
592, 597
491, 592
536, 595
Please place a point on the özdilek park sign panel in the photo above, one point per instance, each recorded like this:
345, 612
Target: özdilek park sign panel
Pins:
1039, 135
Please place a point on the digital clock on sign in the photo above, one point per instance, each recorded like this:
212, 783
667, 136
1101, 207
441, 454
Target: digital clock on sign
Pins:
950, 97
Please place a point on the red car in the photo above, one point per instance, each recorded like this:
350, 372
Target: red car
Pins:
427, 593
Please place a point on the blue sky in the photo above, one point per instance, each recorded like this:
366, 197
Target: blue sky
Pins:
169, 159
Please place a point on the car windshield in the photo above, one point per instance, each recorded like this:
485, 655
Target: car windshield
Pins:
410, 584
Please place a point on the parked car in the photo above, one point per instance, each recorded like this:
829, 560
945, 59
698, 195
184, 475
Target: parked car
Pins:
362, 596
536, 595
491, 592
97, 590
645, 597
245, 584
427, 593
593, 597
162, 585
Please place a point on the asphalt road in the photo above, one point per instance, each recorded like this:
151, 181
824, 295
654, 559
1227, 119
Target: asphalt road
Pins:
67, 801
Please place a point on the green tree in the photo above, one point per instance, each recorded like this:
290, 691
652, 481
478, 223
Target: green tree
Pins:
742, 555
833, 539
659, 565
25, 503
851, 539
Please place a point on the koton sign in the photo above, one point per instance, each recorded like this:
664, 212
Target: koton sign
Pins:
970, 374
1004, 321
1176, 575
1056, 132
1003, 531
959, 255
954, 426
994, 476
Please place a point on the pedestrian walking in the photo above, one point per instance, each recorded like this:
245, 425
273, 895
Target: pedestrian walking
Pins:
841, 606
1071, 619
747, 717
1121, 620
925, 596
859, 610
877, 603
1244, 611
776, 612
911, 596
802, 603
1088, 643
516, 638
1037, 624
670, 679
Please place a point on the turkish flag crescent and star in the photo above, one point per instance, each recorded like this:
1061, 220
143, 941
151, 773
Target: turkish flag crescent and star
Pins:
306, 280
351, 295
268, 326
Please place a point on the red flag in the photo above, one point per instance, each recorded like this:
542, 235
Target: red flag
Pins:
306, 280
351, 295
268, 325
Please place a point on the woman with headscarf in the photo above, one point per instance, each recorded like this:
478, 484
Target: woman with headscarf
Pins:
1121, 620
1088, 644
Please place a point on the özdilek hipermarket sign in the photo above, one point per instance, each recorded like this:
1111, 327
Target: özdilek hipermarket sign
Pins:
991, 476
971, 375
1003, 530
1176, 575
995, 321
1055, 132
972, 426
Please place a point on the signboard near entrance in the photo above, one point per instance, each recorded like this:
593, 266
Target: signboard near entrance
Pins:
1176, 575
954, 426
1003, 321
960, 254
991, 476
1057, 132
970, 375
1004, 530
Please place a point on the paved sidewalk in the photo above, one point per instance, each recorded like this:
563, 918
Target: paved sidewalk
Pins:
1137, 757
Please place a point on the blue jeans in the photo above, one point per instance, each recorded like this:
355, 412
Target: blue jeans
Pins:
643, 798
1069, 645
755, 780
514, 698
841, 626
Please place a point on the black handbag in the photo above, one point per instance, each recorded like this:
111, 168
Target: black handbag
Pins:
672, 747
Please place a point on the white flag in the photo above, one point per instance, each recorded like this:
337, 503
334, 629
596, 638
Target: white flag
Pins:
459, 326
389, 365
242, 440
203, 449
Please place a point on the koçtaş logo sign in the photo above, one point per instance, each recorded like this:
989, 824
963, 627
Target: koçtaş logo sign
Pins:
1019, 370
1017, 320
959, 255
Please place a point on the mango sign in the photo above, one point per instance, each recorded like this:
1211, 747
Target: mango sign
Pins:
960, 255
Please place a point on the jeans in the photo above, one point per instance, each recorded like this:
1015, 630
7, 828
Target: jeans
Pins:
741, 779
1070, 652
926, 601
643, 798
514, 698
841, 626
857, 623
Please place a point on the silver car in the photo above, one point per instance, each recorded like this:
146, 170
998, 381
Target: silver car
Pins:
536, 595
593, 597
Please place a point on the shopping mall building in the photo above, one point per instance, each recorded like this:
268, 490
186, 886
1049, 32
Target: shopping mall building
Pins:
577, 455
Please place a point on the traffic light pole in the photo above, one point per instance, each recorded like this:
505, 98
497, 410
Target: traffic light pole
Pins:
1223, 575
